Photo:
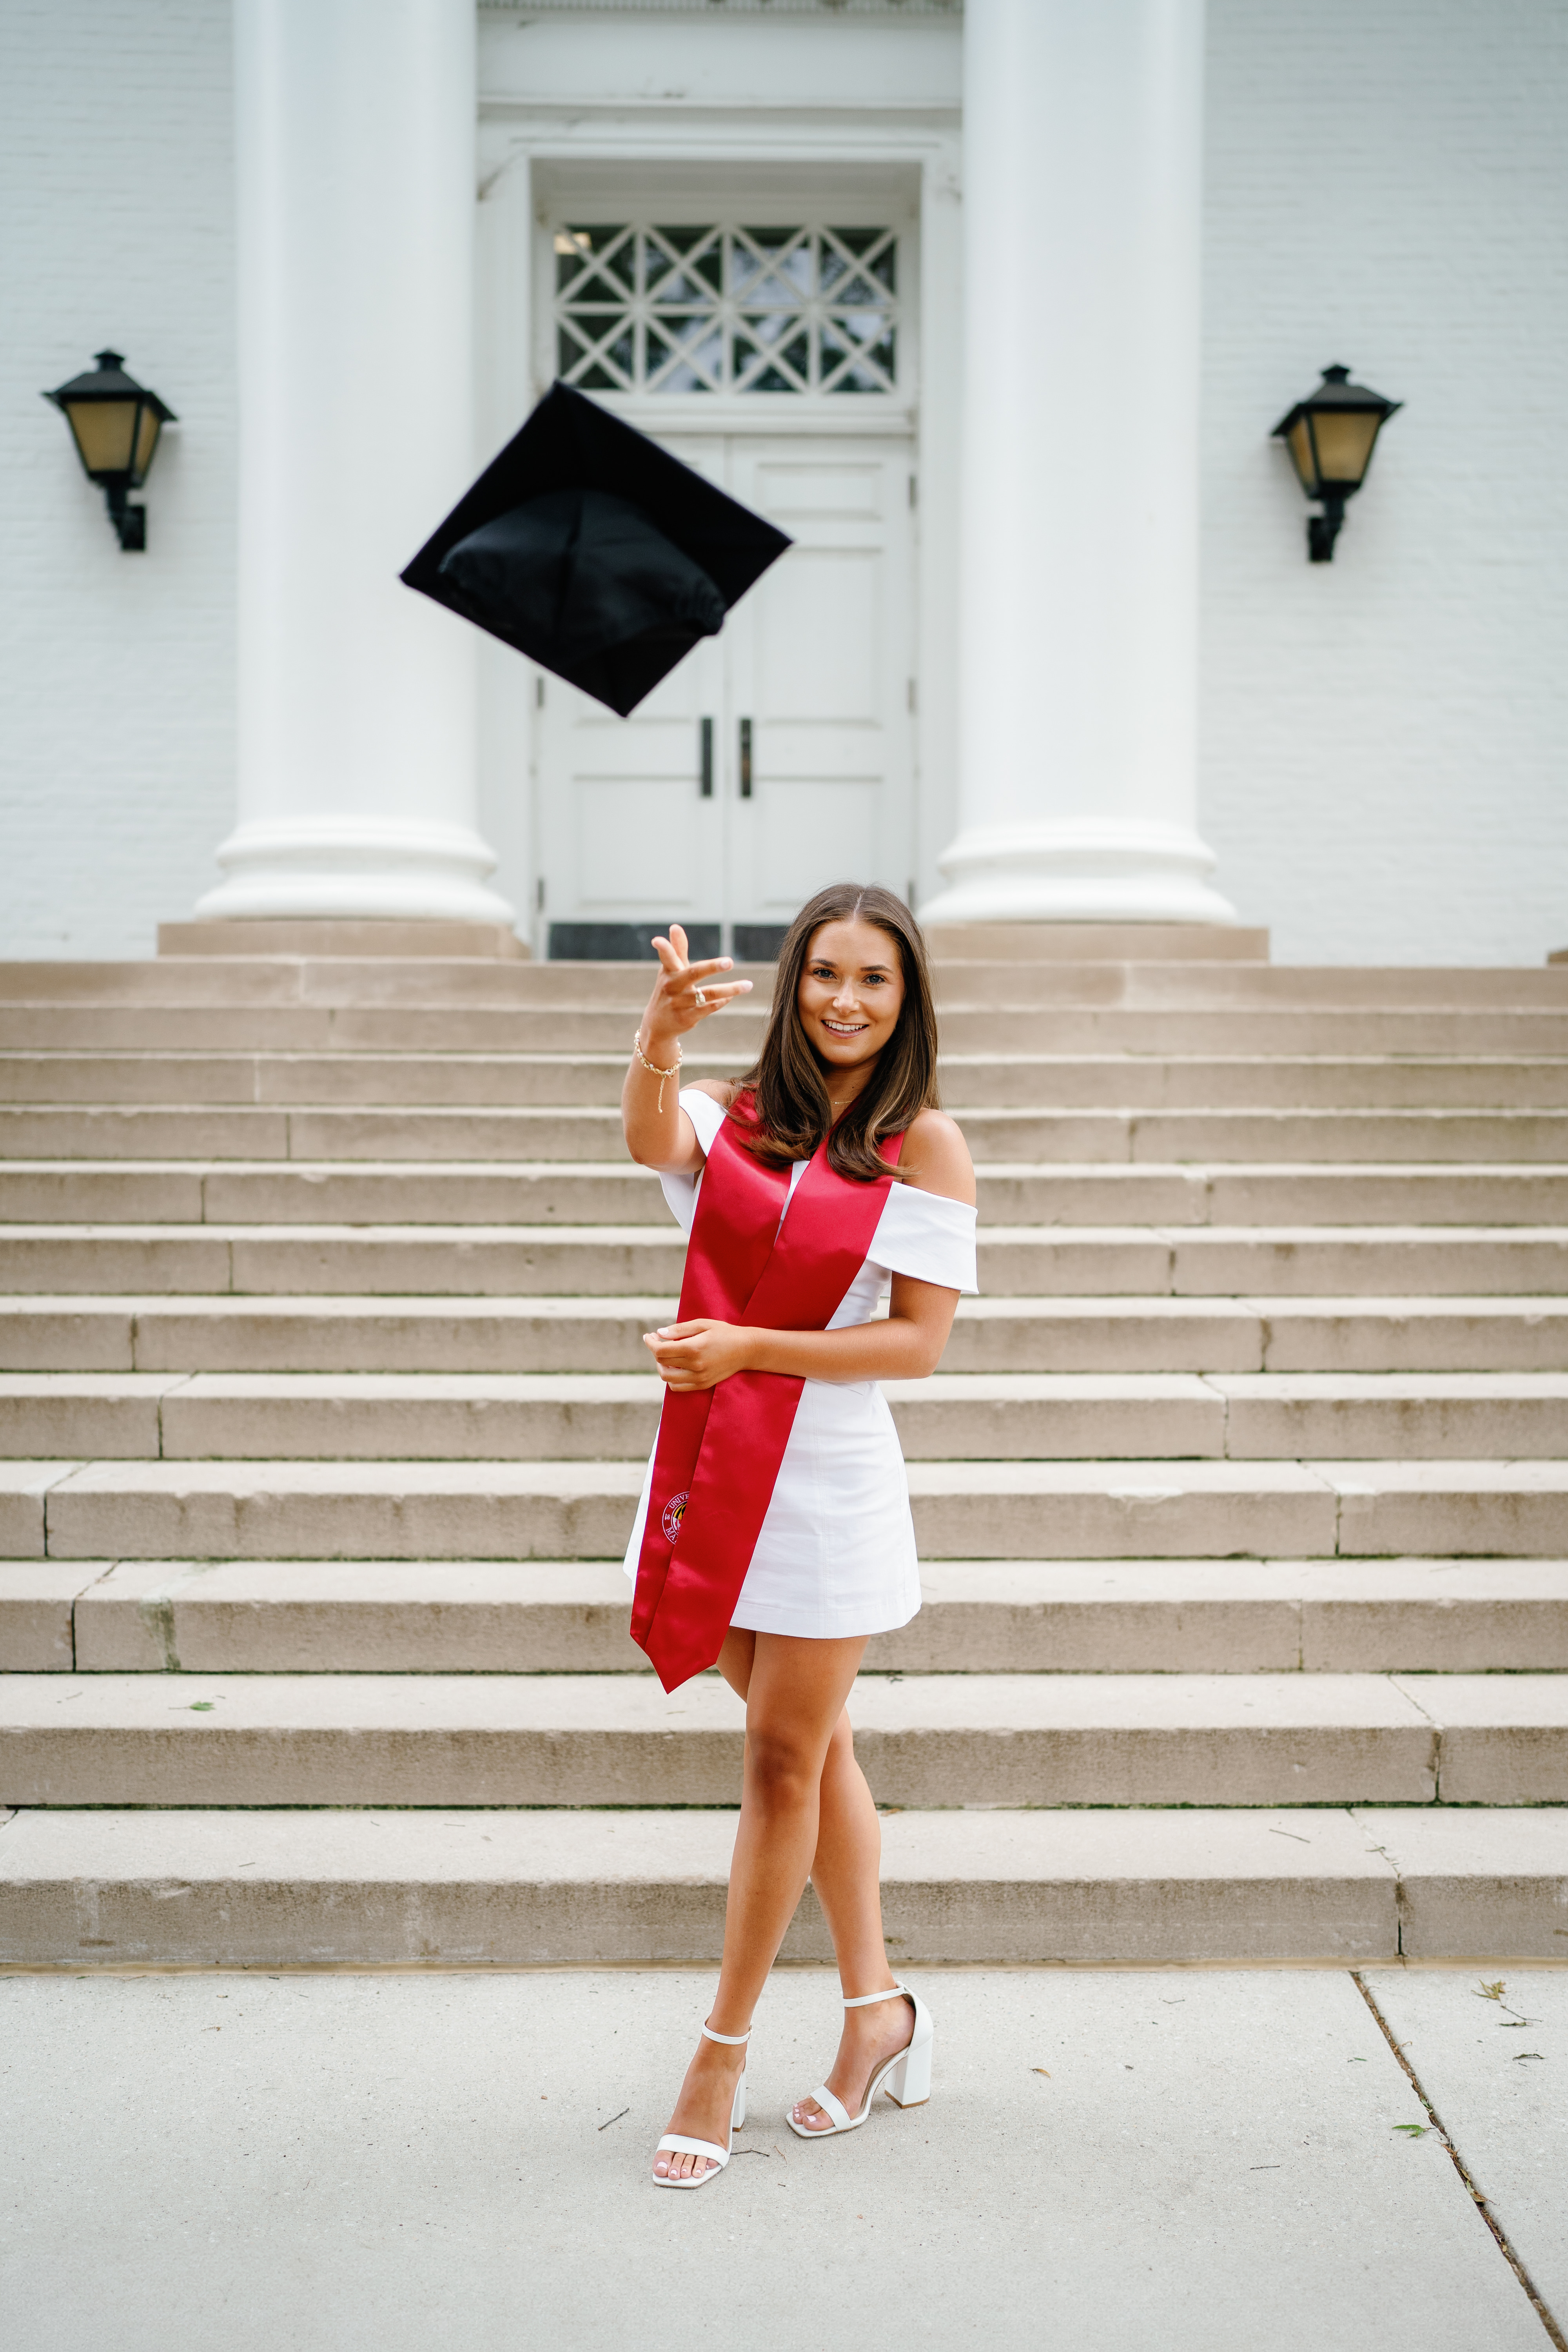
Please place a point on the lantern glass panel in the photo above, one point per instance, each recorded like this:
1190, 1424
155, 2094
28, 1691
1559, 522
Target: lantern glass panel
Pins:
105, 431
1299, 441
1344, 438
146, 442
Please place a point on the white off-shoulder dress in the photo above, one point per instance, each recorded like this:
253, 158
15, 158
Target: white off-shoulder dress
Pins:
836, 1558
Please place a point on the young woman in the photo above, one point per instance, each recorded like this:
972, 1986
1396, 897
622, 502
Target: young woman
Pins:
773, 1535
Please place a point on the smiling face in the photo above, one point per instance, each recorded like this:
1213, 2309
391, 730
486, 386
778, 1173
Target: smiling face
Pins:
851, 995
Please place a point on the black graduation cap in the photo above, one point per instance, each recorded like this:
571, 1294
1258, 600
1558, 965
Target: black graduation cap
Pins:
595, 551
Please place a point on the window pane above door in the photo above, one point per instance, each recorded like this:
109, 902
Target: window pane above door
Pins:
684, 309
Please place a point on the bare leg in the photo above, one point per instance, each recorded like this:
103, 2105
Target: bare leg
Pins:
847, 1875
846, 1872
794, 1692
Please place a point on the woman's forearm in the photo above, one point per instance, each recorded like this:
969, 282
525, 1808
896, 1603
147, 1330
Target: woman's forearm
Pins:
895, 1349
650, 1106
906, 1346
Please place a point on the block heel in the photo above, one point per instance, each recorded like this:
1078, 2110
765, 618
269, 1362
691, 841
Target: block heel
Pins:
909, 2084
907, 2076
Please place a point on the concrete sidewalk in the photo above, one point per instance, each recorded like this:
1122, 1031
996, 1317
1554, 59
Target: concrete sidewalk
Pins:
1209, 2159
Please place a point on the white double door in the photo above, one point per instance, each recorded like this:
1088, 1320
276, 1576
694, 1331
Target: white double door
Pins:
777, 757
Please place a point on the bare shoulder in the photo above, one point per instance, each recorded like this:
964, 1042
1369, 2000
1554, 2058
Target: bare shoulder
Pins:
938, 1157
721, 1091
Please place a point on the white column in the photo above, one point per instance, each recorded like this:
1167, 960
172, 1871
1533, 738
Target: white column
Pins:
1079, 568
355, 137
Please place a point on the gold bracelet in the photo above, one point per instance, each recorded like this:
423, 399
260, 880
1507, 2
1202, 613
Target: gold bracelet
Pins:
653, 1072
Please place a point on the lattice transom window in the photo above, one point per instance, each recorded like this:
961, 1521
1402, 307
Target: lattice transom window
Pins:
720, 309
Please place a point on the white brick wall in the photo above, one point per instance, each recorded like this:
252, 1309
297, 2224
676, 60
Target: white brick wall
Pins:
1386, 738
116, 705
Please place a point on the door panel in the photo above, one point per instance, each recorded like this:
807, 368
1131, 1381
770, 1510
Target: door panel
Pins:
820, 655
636, 840
809, 833
818, 658
624, 834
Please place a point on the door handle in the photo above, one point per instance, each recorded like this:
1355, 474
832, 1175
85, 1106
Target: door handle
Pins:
745, 758
705, 758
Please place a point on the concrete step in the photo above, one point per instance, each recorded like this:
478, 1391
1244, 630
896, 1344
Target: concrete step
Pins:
1443, 1260
968, 1081
326, 1334
618, 1739
183, 1131
592, 1193
1421, 1415
193, 1192
1237, 1082
1194, 983
509, 1510
1096, 943
1273, 1195
437, 982
498, 1029
1269, 1137
308, 1333
1214, 1335
453, 1261
512, 1263
613, 1416
318, 935
978, 1617
453, 1889
588, 1133
1335, 1031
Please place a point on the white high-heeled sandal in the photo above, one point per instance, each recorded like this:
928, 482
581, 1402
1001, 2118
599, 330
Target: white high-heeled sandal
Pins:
678, 2145
906, 2074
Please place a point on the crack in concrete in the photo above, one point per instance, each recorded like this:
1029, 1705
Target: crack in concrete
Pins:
1439, 1728
67, 1471
182, 1380
108, 1570
1482, 2204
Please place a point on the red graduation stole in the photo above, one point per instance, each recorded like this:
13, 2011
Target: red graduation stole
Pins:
719, 1451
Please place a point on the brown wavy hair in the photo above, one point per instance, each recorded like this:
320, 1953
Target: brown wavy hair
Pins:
789, 1112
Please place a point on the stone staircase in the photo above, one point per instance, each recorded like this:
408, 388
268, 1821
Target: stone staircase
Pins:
1242, 1491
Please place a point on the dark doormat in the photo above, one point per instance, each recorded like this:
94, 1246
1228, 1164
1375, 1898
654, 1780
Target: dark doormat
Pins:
625, 943
759, 942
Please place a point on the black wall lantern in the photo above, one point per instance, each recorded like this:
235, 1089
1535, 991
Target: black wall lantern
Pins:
115, 423
1330, 435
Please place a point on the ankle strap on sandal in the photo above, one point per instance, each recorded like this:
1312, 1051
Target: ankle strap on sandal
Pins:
865, 1999
732, 2039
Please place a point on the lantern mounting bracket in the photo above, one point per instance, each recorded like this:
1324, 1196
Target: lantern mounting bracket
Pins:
1323, 529
129, 522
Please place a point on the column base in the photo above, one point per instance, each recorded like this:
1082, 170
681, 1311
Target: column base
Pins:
1073, 873
351, 868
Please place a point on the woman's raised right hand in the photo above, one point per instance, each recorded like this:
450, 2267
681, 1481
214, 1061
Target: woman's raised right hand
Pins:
685, 994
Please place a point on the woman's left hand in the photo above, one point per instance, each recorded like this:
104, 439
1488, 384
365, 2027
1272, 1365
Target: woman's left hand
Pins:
698, 1354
